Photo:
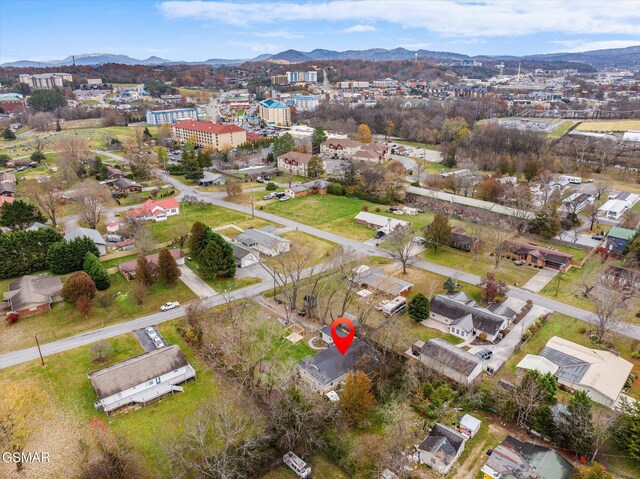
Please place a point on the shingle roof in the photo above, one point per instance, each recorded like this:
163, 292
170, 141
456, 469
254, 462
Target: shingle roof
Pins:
443, 440
93, 235
137, 370
240, 252
298, 157
482, 319
376, 278
251, 236
32, 289
538, 251
449, 355
130, 266
329, 365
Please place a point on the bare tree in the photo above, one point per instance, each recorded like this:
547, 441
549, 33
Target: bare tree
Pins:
499, 243
399, 246
476, 232
604, 423
601, 186
592, 212
589, 277
73, 150
609, 305
90, 197
45, 195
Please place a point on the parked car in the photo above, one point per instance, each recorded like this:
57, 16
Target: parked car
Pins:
379, 234
484, 354
267, 197
419, 240
393, 209
518, 262
169, 305
111, 238
597, 237
158, 342
279, 194
285, 198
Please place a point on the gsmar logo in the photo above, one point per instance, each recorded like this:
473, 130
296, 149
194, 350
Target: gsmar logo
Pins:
23, 457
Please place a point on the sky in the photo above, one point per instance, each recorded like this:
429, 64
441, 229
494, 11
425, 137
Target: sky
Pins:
200, 30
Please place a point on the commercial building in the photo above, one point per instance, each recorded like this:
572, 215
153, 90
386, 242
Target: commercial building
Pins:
45, 81
160, 117
208, 134
305, 102
11, 103
274, 113
295, 163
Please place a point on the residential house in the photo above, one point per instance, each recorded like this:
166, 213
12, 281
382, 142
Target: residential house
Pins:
465, 318
6, 199
156, 210
376, 279
128, 268
515, 459
327, 369
208, 134
372, 153
31, 295
244, 256
141, 379
295, 163
264, 240
618, 239
212, 179
338, 148
7, 178
461, 240
537, 256
297, 191
114, 173
379, 222
126, 186
441, 448
576, 202
113, 226
8, 190
303, 189
448, 360
93, 235
617, 204
601, 374
325, 333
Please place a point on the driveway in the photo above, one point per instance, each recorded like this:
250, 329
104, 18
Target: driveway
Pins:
540, 280
195, 283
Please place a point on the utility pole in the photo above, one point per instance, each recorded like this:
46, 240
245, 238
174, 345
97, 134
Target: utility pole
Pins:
39, 351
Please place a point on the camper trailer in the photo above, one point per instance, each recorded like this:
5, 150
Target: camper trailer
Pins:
297, 465
395, 305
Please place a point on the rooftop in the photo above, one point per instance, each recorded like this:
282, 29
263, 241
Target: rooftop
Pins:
450, 355
207, 127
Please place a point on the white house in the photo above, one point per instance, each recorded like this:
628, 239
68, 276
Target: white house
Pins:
93, 235
142, 378
244, 256
441, 448
212, 179
264, 240
379, 222
156, 210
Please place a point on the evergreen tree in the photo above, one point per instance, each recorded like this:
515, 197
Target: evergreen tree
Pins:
46, 100
8, 134
577, 429
96, 271
629, 426
419, 307
198, 238
449, 285
546, 223
168, 271
25, 252
216, 260
19, 215
144, 271
317, 137
67, 256
192, 169
37, 156
283, 144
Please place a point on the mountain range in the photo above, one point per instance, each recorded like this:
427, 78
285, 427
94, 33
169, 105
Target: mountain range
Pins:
620, 57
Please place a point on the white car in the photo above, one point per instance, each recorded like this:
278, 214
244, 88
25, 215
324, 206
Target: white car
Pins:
158, 342
169, 305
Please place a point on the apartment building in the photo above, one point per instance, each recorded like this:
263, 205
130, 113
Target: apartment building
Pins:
306, 102
45, 81
161, 117
274, 113
308, 77
208, 134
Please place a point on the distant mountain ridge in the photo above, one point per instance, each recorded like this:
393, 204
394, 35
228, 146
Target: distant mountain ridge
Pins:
620, 57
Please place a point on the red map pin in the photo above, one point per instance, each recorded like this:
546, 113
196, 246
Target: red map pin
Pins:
342, 342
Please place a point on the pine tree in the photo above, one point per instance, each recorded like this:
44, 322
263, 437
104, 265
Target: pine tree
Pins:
210, 260
96, 271
419, 307
67, 256
8, 134
449, 285
168, 271
198, 238
144, 271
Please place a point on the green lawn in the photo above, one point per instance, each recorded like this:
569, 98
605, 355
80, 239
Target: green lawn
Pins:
418, 145
149, 429
454, 258
141, 197
563, 129
212, 216
222, 284
63, 320
321, 467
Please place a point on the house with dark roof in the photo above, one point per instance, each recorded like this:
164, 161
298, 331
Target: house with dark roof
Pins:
441, 448
376, 279
536, 255
576, 202
31, 295
513, 459
93, 235
141, 379
327, 369
8, 189
209, 178
114, 173
448, 360
126, 186
464, 317
461, 240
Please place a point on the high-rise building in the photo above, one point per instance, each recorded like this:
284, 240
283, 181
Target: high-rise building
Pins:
160, 117
208, 134
45, 81
274, 113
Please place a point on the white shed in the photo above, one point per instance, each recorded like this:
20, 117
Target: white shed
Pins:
469, 425
408, 210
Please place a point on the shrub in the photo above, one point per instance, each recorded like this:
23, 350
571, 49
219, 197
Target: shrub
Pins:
419, 308
336, 189
271, 186
68, 256
377, 209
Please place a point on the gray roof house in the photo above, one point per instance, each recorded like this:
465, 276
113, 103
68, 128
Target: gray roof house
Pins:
31, 295
142, 378
327, 369
441, 448
465, 317
93, 235
212, 179
448, 360
264, 240
244, 256
377, 279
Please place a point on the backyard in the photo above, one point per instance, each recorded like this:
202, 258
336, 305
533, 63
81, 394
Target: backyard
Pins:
111, 306
221, 285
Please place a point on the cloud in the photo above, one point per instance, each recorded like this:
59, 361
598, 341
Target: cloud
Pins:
587, 45
257, 47
416, 46
359, 29
276, 34
449, 18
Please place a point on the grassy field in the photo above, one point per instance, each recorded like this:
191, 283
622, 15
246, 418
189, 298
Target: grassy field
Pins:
418, 145
574, 330
563, 129
64, 320
321, 467
613, 125
212, 216
454, 258
148, 430
222, 284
